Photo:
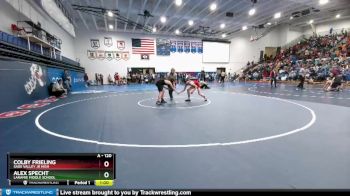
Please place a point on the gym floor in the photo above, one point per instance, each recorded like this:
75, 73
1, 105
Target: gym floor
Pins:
246, 136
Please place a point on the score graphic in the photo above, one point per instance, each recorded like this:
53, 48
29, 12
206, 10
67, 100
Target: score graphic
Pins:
61, 169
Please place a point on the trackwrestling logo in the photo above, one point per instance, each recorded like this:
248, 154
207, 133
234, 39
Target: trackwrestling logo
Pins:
36, 77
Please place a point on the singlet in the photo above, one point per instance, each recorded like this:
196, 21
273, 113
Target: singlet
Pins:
196, 82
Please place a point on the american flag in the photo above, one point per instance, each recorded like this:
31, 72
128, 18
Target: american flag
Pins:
143, 46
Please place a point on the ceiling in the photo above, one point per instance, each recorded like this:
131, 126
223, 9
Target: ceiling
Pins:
206, 22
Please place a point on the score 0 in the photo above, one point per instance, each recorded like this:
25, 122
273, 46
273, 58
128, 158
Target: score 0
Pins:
106, 165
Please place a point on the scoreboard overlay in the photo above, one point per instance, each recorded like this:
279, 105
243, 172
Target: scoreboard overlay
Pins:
83, 169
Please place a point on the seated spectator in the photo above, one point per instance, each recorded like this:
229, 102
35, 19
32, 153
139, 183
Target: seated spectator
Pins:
110, 80
58, 89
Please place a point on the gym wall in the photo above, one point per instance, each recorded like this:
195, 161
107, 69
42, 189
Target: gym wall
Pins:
25, 82
9, 15
182, 62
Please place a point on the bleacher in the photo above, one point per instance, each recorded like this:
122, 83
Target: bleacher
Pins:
14, 47
325, 54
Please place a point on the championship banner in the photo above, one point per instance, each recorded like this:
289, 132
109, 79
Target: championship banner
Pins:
187, 46
101, 54
194, 47
163, 47
121, 45
172, 46
95, 43
180, 46
109, 55
108, 41
117, 56
125, 56
200, 47
92, 55
144, 56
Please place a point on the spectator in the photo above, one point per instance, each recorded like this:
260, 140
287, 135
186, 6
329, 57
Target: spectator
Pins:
110, 79
86, 80
58, 89
302, 73
117, 78
101, 79
222, 77
97, 78
273, 77
67, 80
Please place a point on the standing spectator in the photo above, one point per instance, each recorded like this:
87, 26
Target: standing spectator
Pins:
142, 78
202, 75
86, 79
222, 77
117, 78
302, 73
97, 78
273, 77
110, 79
67, 80
101, 79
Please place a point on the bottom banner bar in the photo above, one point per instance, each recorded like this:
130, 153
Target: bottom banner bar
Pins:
32, 192
56, 183
97, 192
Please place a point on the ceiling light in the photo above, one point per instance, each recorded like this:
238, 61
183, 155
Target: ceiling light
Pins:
223, 35
251, 12
178, 2
311, 21
223, 25
291, 18
213, 6
269, 23
337, 16
177, 31
163, 19
154, 29
190, 22
322, 2
244, 28
277, 15
110, 13
110, 26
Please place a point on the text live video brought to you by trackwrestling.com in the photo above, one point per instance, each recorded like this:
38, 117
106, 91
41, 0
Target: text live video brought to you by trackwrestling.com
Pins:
65, 192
